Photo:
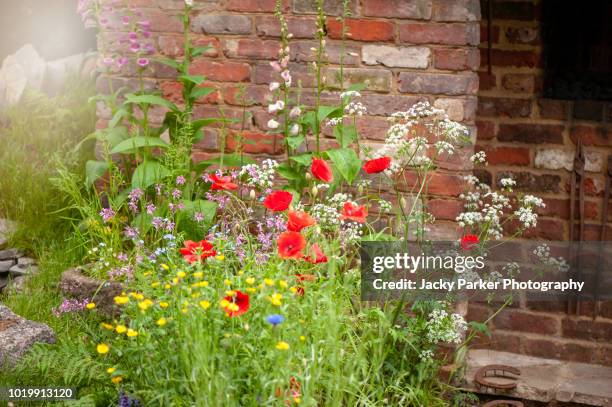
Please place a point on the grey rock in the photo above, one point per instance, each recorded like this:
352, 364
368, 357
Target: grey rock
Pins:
18, 335
21, 270
17, 285
3, 283
23, 69
26, 261
10, 254
5, 265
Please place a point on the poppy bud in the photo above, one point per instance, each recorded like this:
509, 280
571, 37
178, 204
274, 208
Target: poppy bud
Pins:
403, 202
315, 190
308, 176
360, 189
252, 194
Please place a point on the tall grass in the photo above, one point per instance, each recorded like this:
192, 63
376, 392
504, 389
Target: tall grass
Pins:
35, 134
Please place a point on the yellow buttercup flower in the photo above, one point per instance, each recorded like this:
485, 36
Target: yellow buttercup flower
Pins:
111, 370
167, 286
137, 296
251, 289
117, 379
240, 272
147, 273
185, 310
250, 280
163, 304
175, 280
220, 257
224, 303
132, 333
107, 326
145, 304
91, 305
227, 282
205, 304
165, 266
275, 299
230, 293
293, 290
121, 329
302, 338
155, 284
121, 300
181, 274
268, 281
102, 348
198, 274
162, 321
282, 284
282, 345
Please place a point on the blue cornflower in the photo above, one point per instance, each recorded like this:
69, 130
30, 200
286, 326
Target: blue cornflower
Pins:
275, 319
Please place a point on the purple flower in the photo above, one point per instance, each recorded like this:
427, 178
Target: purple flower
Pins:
176, 194
143, 62
125, 20
122, 61
133, 36
157, 223
198, 217
70, 306
130, 232
180, 180
275, 319
150, 209
107, 214
134, 47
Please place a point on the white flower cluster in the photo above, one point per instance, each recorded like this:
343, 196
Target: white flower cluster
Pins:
350, 233
557, 263
484, 208
525, 212
327, 217
507, 183
189, 3
350, 94
385, 206
261, 176
355, 109
479, 158
337, 200
445, 327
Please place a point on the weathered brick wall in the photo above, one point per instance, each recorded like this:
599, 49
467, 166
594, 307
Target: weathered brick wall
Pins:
533, 140
407, 50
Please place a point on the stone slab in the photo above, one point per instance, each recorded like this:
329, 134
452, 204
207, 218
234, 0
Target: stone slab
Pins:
546, 380
10, 254
18, 335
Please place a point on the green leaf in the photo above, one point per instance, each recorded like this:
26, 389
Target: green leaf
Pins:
198, 93
328, 111
206, 208
200, 50
480, 327
170, 62
130, 145
304, 159
345, 135
119, 115
195, 79
288, 173
188, 225
295, 142
198, 124
150, 100
357, 87
148, 173
346, 162
309, 120
94, 170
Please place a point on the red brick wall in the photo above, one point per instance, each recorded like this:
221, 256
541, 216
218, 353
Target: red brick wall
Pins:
407, 50
533, 140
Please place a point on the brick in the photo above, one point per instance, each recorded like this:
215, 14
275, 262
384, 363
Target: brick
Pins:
529, 182
587, 329
486, 129
484, 33
519, 83
414, 10
531, 133
255, 142
231, 113
210, 141
448, 34
396, 57
362, 30
519, 320
523, 35
221, 24
173, 91
506, 155
506, 58
458, 59
246, 95
437, 183
382, 105
330, 7
221, 72
592, 135
500, 340
300, 27
454, 108
264, 74
512, 10
255, 6
376, 79
439, 84
588, 110
251, 49
556, 159
487, 81
546, 229
553, 109
372, 128
199, 5
159, 21
503, 107
543, 347
172, 45
445, 209
301, 51
456, 10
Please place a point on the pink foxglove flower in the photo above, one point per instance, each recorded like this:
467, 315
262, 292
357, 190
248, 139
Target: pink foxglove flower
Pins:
273, 124
276, 66
274, 86
275, 107
286, 75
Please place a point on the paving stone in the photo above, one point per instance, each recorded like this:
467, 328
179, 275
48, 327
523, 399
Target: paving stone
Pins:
547, 380
9, 254
21, 270
26, 261
18, 335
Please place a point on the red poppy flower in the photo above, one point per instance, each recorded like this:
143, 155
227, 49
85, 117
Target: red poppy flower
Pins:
278, 201
238, 304
354, 212
321, 170
290, 245
377, 165
315, 255
219, 183
304, 277
197, 251
469, 242
298, 221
